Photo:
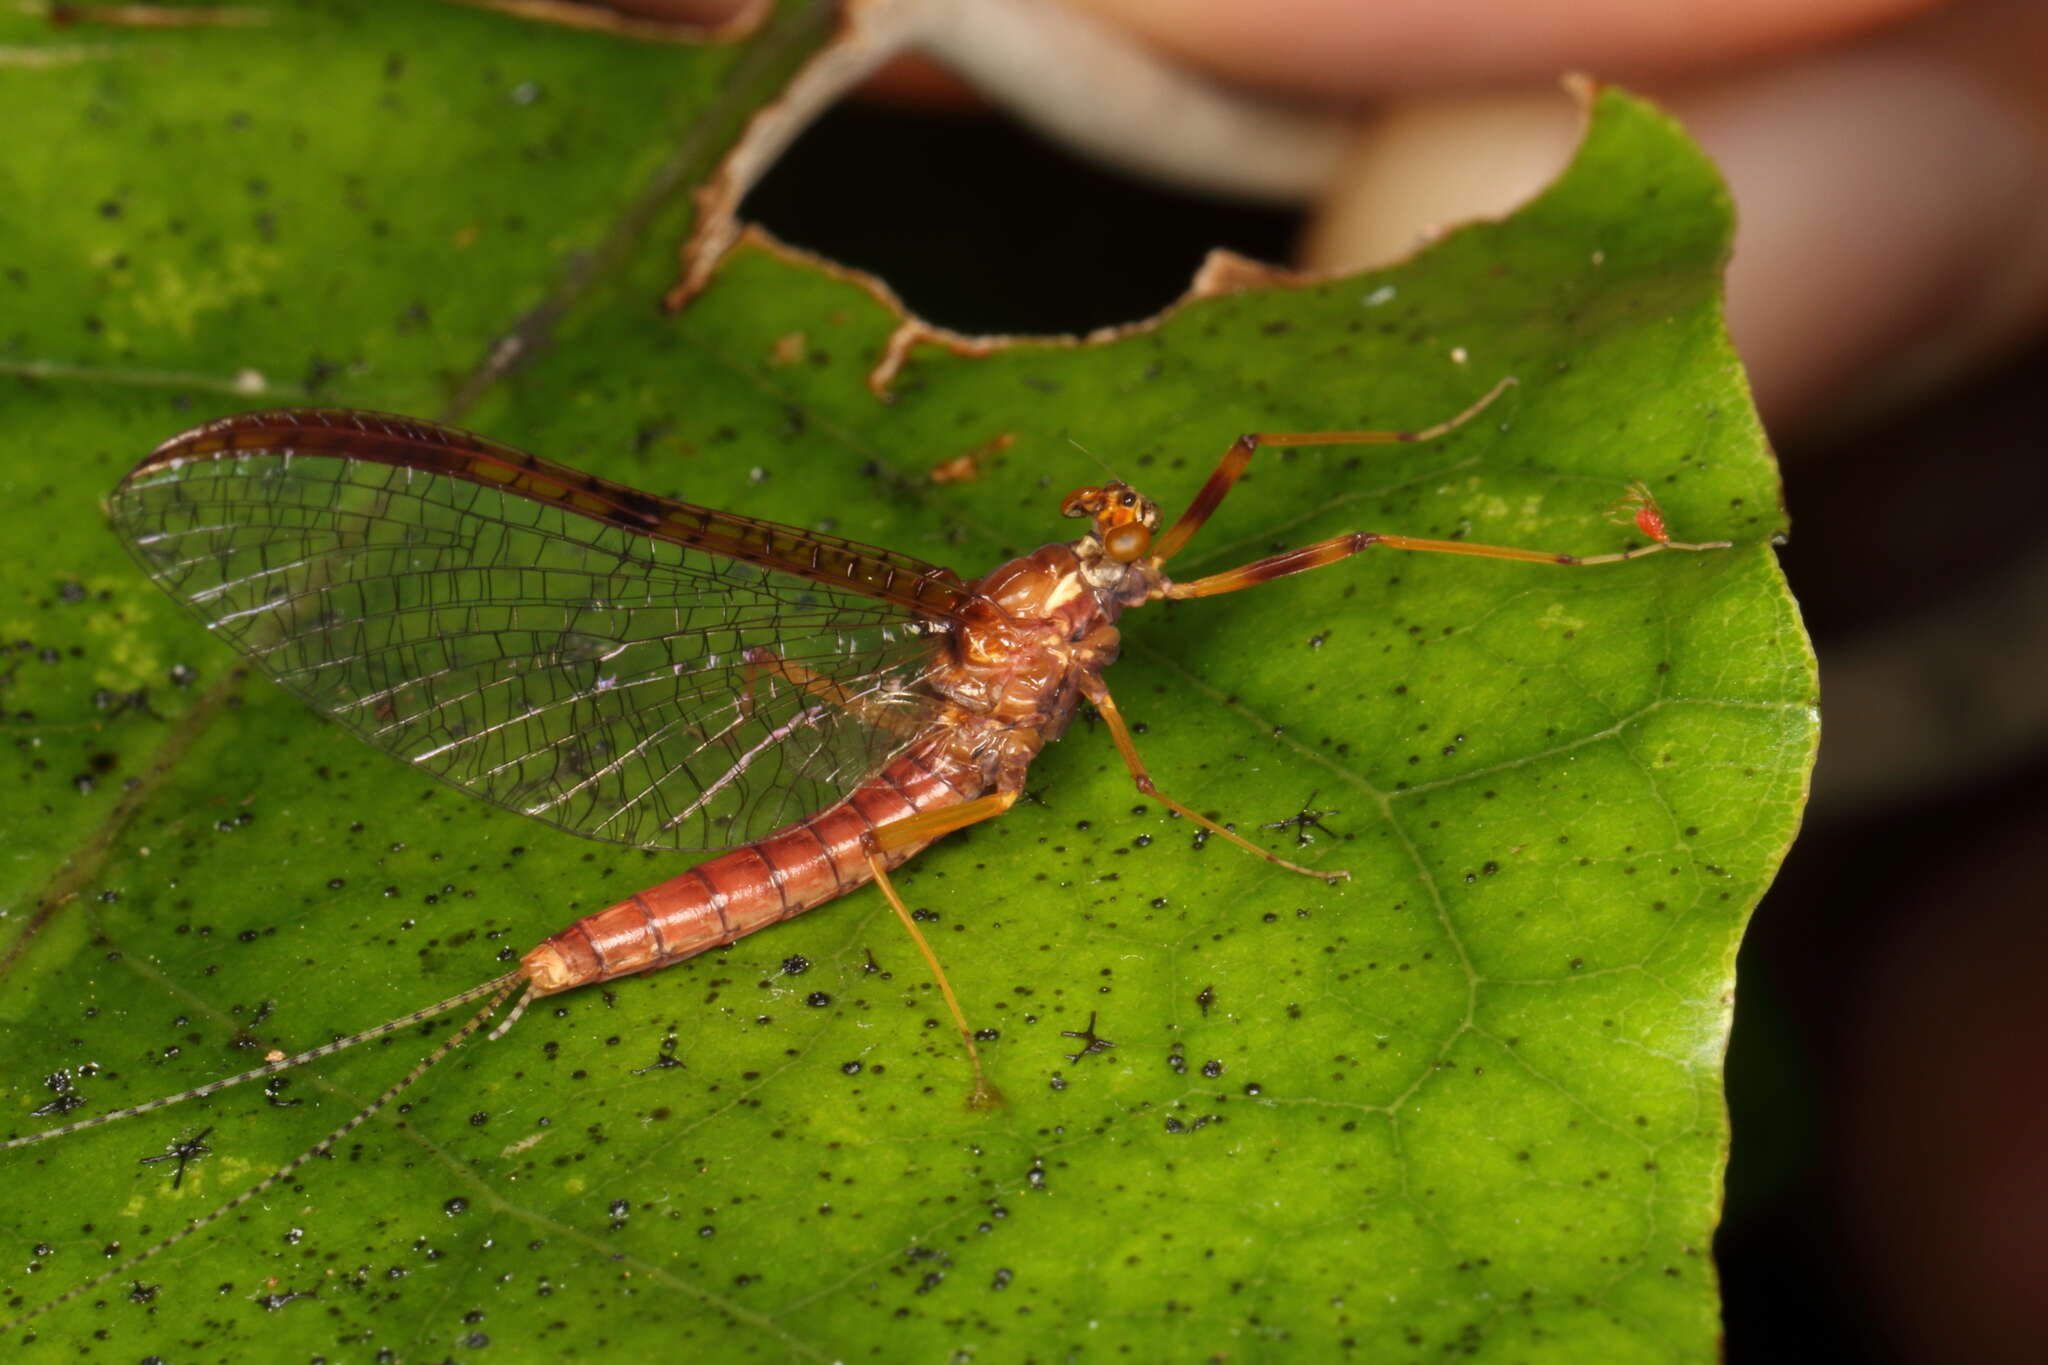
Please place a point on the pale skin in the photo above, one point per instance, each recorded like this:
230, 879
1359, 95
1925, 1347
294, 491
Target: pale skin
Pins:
1824, 115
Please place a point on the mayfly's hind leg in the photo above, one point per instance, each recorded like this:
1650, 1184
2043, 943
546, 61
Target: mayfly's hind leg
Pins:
922, 828
1093, 688
760, 662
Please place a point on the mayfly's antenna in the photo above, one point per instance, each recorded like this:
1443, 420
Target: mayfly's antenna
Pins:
1104, 464
503, 986
500, 983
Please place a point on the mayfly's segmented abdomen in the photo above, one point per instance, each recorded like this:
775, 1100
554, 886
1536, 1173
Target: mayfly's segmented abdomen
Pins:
728, 897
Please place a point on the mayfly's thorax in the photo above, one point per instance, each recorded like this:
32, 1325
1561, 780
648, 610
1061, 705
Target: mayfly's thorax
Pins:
1018, 646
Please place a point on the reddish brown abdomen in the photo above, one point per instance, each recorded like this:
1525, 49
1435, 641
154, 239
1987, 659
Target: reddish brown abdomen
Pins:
762, 883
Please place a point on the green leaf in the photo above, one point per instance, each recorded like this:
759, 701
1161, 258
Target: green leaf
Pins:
1469, 1100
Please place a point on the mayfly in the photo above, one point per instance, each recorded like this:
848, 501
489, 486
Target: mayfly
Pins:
640, 670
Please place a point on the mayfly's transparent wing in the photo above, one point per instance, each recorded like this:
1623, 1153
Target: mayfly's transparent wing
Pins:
620, 665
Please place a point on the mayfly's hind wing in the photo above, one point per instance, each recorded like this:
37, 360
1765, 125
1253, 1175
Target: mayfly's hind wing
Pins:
559, 645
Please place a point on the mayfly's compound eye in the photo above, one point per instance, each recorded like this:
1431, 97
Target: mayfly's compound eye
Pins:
1126, 544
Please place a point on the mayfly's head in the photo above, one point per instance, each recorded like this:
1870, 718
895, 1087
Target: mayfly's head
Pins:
1123, 521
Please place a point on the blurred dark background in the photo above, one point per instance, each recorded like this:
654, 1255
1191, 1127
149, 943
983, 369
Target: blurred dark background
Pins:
1889, 1181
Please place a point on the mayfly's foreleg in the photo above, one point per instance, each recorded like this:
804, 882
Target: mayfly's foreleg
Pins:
1638, 507
1093, 688
919, 829
762, 662
1234, 460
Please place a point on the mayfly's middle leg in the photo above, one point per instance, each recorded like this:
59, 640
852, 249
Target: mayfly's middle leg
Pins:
922, 828
761, 661
1097, 691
